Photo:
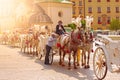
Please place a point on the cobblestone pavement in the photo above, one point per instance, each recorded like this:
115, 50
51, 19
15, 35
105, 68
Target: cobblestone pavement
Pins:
15, 65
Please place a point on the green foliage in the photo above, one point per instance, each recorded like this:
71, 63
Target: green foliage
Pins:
65, 25
114, 25
83, 23
72, 26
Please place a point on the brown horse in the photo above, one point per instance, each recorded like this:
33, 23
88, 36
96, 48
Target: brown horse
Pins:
69, 44
75, 42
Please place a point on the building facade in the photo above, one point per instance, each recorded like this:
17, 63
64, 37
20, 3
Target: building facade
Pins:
78, 8
103, 11
58, 11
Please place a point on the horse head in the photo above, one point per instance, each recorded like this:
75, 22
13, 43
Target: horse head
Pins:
88, 37
77, 36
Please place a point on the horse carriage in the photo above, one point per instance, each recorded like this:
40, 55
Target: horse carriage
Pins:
106, 55
68, 44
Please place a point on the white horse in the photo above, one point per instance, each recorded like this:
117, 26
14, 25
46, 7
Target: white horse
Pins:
86, 48
41, 45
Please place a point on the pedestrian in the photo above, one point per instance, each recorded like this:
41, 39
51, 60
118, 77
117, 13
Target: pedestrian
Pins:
50, 43
60, 29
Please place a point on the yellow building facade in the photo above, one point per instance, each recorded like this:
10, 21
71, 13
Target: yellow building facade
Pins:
103, 11
78, 8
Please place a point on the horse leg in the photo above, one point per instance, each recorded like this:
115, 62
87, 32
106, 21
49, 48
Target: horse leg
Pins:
33, 50
88, 66
69, 64
83, 60
27, 49
74, 61
36, 50
63, 59
78, 56
21, 48
60, 61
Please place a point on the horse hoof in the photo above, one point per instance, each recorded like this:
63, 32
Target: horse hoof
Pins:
88, 66
78, 64
69, 68
85, 67
83, 64
75, 67
40, 57
60, 63
63, 65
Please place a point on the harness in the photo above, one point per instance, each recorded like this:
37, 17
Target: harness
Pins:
63, 47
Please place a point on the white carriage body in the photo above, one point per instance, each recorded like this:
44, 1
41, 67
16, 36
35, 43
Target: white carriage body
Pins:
111, 46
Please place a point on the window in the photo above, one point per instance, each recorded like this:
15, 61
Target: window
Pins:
90, 10
80, 3
117, 0
60, 13
108, 0
99, 9
89, 0
73, 11
80, 11
108, 21
73, 3
99, 20
117, 9
98, 0
108, 9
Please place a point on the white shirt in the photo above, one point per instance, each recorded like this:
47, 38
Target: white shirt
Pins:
51, 41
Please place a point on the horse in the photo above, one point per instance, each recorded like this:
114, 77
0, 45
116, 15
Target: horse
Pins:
23, 42
14, 39
4, 38
69, 44
75, 42
35, 42
62, 44
86, 48
41, 44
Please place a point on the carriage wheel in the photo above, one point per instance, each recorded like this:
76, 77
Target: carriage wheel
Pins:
99, 63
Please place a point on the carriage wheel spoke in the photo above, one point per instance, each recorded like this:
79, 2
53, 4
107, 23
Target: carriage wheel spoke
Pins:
102, 72
96, 68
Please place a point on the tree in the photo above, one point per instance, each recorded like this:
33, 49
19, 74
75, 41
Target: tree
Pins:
72, 26
114, 25
83, 24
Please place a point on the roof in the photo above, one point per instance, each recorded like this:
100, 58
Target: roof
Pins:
62, 1
39, 16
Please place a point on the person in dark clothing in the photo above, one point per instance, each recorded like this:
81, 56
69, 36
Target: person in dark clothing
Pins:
60, 29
